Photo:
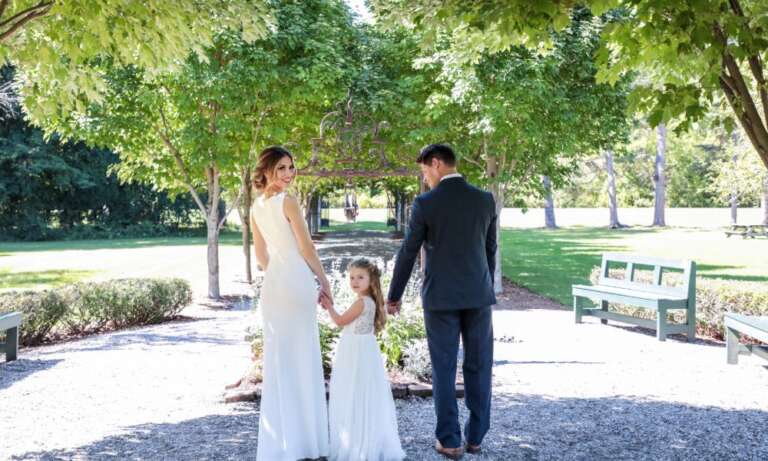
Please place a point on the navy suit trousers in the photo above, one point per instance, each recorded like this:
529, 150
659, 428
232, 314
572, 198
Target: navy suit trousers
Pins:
475, 328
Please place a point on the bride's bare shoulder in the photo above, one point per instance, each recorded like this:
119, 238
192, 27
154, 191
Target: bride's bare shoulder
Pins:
291, 205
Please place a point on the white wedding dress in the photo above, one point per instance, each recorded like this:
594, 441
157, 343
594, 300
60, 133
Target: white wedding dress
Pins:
363, 422
294, 419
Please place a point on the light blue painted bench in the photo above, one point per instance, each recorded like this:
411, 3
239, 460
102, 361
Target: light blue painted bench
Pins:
10, 323
754, 326
634, 292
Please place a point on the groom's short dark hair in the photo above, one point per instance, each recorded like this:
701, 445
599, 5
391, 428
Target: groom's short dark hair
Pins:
439, 151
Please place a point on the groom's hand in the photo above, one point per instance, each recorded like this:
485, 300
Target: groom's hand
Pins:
393, 307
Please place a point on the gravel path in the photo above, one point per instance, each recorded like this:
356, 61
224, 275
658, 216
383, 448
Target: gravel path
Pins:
561, 391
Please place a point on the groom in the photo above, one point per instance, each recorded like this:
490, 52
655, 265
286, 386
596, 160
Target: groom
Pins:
456, 224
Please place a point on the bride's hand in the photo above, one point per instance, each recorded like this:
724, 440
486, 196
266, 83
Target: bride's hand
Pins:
325, 289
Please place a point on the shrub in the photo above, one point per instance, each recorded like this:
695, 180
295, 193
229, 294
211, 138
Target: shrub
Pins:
417, 361
42, 310
91, 306
399, 333
329, 336
714, 297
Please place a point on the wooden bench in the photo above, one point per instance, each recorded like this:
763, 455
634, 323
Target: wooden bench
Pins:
634, 292
748, 231
754, 326
10, 323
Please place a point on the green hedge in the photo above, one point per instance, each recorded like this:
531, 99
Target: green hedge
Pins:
714, 297
42, 311
94, 306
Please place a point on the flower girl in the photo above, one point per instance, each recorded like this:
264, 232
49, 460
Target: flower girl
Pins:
363, 424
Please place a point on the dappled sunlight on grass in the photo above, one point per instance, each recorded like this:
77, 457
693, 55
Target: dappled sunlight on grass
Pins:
40, 279
550, 261
357, 226
7, 248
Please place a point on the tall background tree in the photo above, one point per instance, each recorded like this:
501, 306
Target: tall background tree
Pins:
52, 43
197, 126
519, 114
697, 51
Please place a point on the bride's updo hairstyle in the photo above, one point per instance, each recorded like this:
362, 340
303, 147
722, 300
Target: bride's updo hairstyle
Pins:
265, 167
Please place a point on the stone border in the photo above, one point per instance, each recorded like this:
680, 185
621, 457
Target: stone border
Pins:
252, 392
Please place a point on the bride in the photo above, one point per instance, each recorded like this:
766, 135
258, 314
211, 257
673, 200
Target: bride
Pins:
293, 423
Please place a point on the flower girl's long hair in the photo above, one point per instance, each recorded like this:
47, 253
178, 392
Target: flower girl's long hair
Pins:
374, 273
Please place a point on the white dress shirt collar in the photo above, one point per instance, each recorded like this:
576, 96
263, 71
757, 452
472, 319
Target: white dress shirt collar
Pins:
449, 176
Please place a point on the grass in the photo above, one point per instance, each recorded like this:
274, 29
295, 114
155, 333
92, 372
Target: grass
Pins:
40, 279
357, 226
549, 261
8, 248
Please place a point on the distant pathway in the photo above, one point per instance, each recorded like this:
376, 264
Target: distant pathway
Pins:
561, 391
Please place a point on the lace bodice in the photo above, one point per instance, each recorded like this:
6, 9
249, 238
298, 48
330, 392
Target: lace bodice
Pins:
363, 324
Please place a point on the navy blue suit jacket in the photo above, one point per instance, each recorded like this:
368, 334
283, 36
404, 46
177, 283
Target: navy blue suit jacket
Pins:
456, 223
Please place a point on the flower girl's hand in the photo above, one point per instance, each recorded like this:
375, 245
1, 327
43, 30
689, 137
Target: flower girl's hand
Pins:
393, 307
323, 300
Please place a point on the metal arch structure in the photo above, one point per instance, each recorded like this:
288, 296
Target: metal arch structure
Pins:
347, 135
357, 150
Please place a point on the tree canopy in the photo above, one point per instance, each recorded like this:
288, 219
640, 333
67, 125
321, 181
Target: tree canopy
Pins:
694, 53
53, 43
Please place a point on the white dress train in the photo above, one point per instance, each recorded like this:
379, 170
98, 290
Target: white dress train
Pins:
293, 421
363, 423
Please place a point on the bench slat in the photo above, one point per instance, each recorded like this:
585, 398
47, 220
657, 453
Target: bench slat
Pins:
756, 327
10, 320
626, 296
670, 328
647, 260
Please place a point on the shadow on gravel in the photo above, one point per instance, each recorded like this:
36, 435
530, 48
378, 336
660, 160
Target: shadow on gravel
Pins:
523, 427
173, 334
211, 437
537, 427
13, 372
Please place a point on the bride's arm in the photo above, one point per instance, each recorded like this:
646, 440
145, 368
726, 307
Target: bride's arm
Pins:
349, 315
259, 246
306, 247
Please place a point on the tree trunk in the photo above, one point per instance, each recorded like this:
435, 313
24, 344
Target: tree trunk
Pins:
245, 218
765, 200
612, 202
659, 177
212, 220
734, 200
491, 172
549, 204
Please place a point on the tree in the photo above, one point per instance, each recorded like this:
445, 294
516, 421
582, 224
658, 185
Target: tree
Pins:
199, 126
53, 43
519, 114
660, 177
698, 51
764, 199
740, 176
549, 204
613, 207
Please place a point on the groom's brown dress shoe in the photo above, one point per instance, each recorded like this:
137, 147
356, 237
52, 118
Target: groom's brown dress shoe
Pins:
450, 453
473, 449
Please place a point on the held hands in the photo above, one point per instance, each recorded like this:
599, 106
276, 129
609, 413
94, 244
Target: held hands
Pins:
325, 298
393, 307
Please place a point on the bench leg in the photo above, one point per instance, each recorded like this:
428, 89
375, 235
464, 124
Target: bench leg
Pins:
731, 346
690, 318
11, 344
577, 309
604, 307
661, 324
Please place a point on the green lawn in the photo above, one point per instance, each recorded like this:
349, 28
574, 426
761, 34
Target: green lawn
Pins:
549, 261
38, 279
357, 226
7, 248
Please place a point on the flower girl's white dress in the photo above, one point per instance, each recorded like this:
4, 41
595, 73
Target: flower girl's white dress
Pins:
363, 423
